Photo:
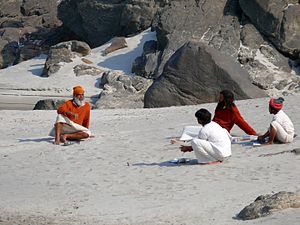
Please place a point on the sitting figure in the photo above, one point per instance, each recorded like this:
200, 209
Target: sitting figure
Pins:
227, 114
212, 144
281, 127
73, 119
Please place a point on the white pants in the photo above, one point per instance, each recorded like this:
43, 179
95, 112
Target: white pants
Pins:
204, 152
190, 132
68, 126
281, 134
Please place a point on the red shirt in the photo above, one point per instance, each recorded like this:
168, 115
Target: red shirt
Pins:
83, 112
226, 118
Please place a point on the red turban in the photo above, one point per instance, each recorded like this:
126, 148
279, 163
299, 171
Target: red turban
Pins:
276, 103
78, 90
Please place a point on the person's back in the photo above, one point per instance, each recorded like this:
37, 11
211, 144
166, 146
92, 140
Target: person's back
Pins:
218, 137
285, 122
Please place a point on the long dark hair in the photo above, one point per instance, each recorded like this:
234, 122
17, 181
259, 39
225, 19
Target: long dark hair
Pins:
228, 101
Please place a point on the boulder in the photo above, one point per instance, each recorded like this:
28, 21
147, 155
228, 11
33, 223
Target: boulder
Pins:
81, 70
278, 21
116, 43
48, 104
122, 91
266, 204
63, 53
146, 64
195, 74
117, 18
10, 8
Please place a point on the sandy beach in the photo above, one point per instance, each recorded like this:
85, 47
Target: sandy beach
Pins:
123, 175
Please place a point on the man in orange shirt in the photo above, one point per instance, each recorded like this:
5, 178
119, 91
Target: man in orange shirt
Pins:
73, 118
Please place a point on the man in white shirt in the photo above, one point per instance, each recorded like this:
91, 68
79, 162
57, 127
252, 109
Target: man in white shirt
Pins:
281, 127
212, 144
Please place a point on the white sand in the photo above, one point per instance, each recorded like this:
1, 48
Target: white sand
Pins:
91, 182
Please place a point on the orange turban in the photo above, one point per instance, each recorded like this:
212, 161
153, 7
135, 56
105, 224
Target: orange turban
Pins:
78, 90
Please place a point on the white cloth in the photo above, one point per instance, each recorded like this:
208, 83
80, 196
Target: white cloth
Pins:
212, 144
189, 132
68, 127
281, 134
285, 122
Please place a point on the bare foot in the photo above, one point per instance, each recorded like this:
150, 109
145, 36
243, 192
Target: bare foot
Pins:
56, 142
174, 141
64, 138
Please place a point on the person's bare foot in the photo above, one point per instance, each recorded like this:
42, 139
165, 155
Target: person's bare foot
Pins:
64, 138
56, 142
174, 141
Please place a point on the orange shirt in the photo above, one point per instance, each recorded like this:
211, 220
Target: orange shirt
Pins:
83, 112
226, 118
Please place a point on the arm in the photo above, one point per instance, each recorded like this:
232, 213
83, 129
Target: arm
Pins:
65, 111
241, 123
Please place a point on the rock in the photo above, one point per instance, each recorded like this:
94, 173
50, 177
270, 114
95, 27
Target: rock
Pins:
48, 104
10, 8
79, 47
118, 18
82, 69
146, 64
63, 53
122, 91
278, 21
37, 7
86, 61
117, 43
211, 21
195, 74
56, 58
266, 204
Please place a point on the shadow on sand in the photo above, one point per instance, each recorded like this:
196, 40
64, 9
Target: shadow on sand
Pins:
49, 139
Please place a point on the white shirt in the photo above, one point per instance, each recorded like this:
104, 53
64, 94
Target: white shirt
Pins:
284, 121
217, 136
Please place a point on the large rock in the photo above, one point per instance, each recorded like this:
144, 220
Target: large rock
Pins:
96, 22
63, 53
266, 204
122, 91
48, 104
278, 20
195, 74
215, 22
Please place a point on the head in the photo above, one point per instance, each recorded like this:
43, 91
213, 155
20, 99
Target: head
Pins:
78, 95
275, 105
227, 98
203, 116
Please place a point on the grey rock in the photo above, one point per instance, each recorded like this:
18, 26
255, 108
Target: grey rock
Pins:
10, 8
265, 204
277, 20
117, 18
195, 74
81, 70
48, 104
79, 47
56, 58
122, 91
117, 43
146, 64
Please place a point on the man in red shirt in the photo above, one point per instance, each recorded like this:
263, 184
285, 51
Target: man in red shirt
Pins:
73, 118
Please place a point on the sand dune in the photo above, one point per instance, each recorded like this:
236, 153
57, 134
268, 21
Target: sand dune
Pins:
122, 176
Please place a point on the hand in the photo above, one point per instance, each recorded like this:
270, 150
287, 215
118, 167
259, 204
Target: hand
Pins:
186, 148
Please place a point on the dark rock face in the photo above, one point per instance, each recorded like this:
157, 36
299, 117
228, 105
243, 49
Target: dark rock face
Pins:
122, 91
265, 204
96, 22
29, 26
278, 21
146, 64
48, 104
196, 74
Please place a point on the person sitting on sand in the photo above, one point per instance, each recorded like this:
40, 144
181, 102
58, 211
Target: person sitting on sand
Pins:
281, 128
212, 144
73, 119
227, 114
